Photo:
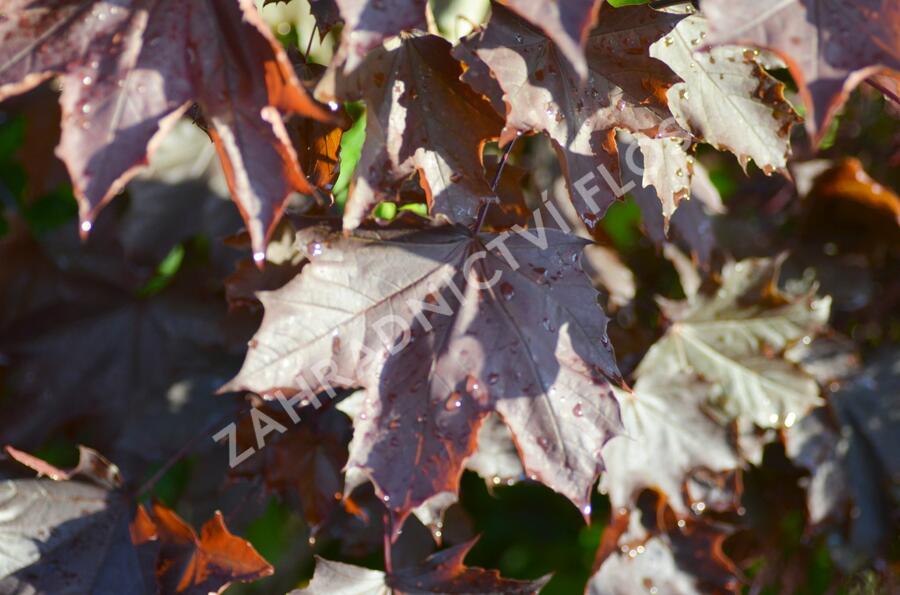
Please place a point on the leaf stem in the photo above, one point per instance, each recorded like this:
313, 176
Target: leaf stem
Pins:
388, 532
185, 449
309, 43
482, 212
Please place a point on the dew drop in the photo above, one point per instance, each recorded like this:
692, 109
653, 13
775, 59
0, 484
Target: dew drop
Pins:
333, 106
259, 256
87, 81
577, 411
668, 41
86, 226
681, 524
683, 94
312, 540
86, 108
679, 172
314, 248
386, 498
453, 402
586, 510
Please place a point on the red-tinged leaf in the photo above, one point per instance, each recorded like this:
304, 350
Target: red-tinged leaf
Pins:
726, 99
68, 538
129, 72
830, 46
318, 144
566, 23
531, 347
91, 465
304, 463
682, 560
415, 104
367, 23
443, 572
208, 563
625, 88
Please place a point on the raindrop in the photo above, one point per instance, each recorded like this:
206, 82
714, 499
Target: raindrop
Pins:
679, 172
363, 416
683, 94
586, 510
86, 108
312, 540
790, 419
86, 81
681, 524
333, 106
496, 480
314, 248
386, 498
86, 226
669, 41
507, 291
698, 507
259, 256
453, 402
576, 411
620, 105
543, 443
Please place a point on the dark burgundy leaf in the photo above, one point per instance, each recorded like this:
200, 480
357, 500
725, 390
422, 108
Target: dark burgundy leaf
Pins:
130, 71
415, 103
532, 347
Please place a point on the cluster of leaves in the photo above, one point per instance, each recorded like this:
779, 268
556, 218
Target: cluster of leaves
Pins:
746, 422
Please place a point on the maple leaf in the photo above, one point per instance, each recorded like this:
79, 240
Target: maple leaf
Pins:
625, 88
66, 537
367, 23
443, 572
465, 351
668, 436
414, 98
566, 23
658, 189
724, 339
687, 560
851, 451
62, 536
306, 460
208, 563
669, 169
90, 311
129, 72
726, 99
830, 46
